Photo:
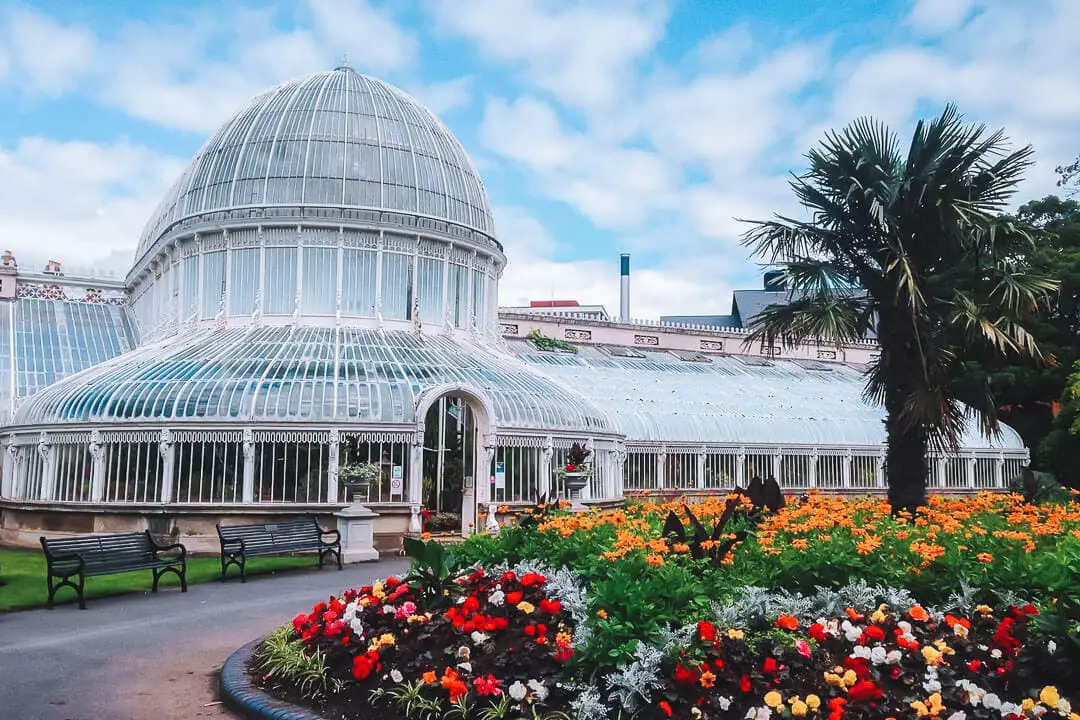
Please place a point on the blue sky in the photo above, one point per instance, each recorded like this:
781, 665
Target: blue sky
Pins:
599, 126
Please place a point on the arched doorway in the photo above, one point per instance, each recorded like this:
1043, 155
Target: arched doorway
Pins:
451, 473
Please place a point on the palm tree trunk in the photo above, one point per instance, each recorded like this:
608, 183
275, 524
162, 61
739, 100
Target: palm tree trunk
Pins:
905, 457
905, 460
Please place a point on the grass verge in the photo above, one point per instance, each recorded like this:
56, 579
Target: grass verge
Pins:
22, 578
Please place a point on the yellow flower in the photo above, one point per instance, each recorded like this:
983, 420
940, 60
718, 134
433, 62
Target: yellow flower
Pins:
799, 708
1028, 705
526, 607
1049, 696
379, 590
773, 699
984, 609
931, 656
736, 634
813, 701
834, 680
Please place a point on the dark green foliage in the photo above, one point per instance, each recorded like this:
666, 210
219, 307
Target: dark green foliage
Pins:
431, 572
718, 546
543, 342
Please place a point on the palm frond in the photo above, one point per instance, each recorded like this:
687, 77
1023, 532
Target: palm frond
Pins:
824, 317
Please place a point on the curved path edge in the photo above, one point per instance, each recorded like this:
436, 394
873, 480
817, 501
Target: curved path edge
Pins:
241, 696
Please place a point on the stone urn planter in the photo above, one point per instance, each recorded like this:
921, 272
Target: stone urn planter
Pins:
575, 483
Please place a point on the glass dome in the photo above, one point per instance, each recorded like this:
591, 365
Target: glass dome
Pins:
308, 375
334, 139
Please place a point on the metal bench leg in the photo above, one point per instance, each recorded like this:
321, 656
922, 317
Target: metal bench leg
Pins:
81, 590
243, 568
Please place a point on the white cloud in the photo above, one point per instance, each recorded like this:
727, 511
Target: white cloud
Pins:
78, 202
443, 97
43, 55
369, 34
937, 16
581, 53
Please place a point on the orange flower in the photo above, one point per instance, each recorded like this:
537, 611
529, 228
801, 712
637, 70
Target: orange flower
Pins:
430, 677
654, 560
787, 622
918, 613
602, 614
708, 679
985, 557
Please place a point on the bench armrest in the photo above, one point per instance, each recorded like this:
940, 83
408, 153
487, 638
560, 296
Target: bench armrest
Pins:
232, 541
50, 559
332, 531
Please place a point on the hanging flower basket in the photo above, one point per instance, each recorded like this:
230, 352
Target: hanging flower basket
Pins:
358, 477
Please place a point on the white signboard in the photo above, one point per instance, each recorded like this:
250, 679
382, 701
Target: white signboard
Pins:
500, 475
397, 481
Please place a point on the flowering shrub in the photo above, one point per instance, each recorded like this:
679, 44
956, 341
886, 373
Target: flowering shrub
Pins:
877, 665
505, 639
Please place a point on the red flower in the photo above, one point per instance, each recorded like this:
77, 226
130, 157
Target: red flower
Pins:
1029, 610
570, 467
865, 691
860, 665
873, 632
787, 622
563, 653
744, 684
803, 647
391, 582
514, 597
685, 675
551, 607
487, 686
769, 668
975, 666
530, 630
666, 707
530, 579
362, 665
471, 605
817, 632
706, 631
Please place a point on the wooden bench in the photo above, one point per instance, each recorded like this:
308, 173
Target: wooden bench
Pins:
83, 557
239, 542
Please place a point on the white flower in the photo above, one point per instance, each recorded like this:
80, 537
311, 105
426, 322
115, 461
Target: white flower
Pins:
958, 715
723, 703
396, 675
1064, 706
1008, 708
464, 652
466, 666
478, 637
851, 632
497, 598
995, 653
861, 651
538, 690
992, 701
1051, 647
761, 713
517, 691
878, 655
389, 610
893, 657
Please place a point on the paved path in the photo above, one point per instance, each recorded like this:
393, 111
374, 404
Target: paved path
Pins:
147, 657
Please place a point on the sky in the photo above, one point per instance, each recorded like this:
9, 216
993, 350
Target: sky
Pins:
601, 126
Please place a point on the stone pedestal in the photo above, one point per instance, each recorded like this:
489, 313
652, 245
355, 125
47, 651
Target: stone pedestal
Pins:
356, 524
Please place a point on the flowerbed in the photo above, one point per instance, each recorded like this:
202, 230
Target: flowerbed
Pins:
971, 610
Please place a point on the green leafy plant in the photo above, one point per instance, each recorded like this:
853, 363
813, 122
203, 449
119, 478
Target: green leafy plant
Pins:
431, 571
548, 344
284, 659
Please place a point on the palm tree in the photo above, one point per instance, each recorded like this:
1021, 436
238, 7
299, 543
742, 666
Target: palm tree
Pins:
914, 248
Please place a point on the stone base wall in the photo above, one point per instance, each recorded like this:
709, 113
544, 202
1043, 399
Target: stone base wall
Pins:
22, 524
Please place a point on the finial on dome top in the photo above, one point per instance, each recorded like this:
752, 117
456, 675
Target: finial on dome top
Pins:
344, 61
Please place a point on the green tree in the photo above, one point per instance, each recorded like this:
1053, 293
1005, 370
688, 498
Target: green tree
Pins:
910, 245
1027, 392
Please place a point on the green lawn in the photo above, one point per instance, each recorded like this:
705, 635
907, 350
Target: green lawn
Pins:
22, 577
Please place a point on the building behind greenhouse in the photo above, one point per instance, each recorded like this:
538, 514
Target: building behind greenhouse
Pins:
312, 314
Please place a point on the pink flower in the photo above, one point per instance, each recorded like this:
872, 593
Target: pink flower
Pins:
406, 609
487, 686
803, 647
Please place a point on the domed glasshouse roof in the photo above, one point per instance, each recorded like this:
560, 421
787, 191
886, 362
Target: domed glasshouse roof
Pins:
335, 139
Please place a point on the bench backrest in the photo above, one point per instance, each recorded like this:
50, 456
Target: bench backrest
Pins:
280, 532
103, 548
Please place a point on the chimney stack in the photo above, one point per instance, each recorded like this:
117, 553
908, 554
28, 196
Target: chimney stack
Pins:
624, 287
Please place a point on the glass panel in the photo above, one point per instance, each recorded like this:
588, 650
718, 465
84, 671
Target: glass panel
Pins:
243, 281
213, 272
478, 293
397, 286
320, 281
430, 288
358, 283
279, 287
457, 294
